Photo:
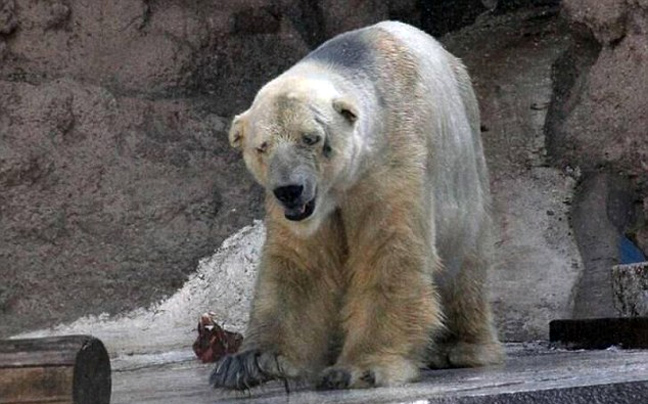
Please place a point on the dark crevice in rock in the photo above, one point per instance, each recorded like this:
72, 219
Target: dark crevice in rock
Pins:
309, 21
146, 16
505, 6
569, 78
8, 20
441, 17
255, 21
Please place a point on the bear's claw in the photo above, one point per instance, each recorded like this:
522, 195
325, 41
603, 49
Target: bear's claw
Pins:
239, 372
334, 379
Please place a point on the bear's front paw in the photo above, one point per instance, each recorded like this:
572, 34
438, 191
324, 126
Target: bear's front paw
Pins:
335, 378
388, 371
241, 371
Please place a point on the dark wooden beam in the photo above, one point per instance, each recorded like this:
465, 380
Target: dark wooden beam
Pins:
600, 333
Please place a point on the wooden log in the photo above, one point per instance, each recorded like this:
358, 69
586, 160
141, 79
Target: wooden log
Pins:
59, 370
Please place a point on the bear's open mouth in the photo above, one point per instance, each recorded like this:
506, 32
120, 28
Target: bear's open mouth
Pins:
302, 212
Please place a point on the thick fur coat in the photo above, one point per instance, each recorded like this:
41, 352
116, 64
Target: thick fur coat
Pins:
378, 234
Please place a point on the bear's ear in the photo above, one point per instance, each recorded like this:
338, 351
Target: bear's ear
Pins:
346, 108
236, 132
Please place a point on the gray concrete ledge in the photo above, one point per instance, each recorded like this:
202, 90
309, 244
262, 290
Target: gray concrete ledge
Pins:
532, 374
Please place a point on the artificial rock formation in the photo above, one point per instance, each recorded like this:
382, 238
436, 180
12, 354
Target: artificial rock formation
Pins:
115, 174
597, 126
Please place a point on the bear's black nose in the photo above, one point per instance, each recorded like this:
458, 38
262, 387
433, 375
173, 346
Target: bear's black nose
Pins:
289, 195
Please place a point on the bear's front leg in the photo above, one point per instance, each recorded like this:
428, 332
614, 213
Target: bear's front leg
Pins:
390, 310
288, 330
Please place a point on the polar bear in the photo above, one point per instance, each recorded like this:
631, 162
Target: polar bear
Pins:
378, 234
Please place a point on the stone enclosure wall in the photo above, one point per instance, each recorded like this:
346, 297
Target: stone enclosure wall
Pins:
598, 125
115, 172
116, 176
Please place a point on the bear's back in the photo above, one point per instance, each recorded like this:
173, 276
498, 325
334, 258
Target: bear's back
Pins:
402, 74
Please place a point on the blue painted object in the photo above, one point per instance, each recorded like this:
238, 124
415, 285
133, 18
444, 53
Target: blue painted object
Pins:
629, 252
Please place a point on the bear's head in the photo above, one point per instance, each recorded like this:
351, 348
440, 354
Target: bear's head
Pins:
296, 140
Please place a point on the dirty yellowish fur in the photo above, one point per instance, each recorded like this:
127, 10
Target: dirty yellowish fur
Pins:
378, 235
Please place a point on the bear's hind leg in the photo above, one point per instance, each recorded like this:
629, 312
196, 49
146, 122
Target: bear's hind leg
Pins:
470, 338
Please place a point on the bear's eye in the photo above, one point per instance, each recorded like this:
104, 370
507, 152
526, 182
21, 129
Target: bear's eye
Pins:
310, 139
262, 147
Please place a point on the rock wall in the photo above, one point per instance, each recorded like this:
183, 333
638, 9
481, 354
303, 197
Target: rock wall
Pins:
598, 126
116, 176
115, 172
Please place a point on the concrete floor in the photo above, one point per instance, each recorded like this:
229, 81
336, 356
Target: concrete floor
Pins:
532, 374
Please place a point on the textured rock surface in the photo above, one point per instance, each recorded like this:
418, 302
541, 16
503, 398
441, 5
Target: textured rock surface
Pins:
642, 232
597, 126
599, 214
604, 19
107, 202
607, 115
537, 260
115, 175
605, 108
630, 284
